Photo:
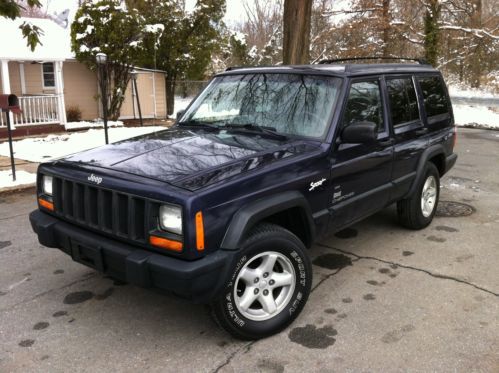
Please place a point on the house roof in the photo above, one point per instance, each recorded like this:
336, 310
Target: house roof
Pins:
56, 41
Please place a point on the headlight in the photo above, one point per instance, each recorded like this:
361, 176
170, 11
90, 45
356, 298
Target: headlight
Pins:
170, 218
47, 185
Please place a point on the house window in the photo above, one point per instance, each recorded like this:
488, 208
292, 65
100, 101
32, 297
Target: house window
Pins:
48, 73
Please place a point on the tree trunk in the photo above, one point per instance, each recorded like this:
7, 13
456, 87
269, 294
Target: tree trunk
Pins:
170, 95
296, 31
432, 31
386, 27
476, 58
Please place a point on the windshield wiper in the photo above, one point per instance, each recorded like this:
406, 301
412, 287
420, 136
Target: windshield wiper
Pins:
198, 123
271, 131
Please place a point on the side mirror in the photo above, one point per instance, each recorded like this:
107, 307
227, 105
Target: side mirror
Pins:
180, 114
359, 133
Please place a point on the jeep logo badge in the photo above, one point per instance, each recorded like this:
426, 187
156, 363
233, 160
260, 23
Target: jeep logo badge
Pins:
95, 179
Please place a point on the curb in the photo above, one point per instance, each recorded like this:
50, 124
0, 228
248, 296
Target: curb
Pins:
18, 189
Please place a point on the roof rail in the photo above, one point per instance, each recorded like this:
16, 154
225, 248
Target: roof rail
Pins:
230, 68
421, 61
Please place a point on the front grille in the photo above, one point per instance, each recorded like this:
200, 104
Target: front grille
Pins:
116, 213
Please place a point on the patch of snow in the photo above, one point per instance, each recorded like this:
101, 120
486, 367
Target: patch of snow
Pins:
181, 103
96, 124
461, 91
157, 28
83, 19
239, 37
89, 29
41, 149
22, 178
120, 8
253, 52
475, 116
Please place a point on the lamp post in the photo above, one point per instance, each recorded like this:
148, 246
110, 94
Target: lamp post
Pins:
134, 74
101, 59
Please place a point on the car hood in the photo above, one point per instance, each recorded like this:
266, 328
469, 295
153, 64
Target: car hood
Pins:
190, 159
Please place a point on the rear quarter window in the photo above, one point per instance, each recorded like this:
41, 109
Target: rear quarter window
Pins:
435, 99
403, 100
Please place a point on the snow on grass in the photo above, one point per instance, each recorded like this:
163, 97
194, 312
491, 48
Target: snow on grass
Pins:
41, 149
181, 103
98, 124
22, 178
466, 92
475, 116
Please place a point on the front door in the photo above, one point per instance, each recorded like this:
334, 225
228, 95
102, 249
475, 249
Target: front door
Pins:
361, 173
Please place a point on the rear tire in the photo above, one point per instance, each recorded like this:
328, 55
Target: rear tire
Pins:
417, 211
268, 285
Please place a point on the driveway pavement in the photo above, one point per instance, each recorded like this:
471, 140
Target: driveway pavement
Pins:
384, 298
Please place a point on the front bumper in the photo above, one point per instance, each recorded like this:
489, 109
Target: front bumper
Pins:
200, 281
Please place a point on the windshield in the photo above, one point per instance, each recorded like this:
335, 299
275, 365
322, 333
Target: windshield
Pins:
290, 104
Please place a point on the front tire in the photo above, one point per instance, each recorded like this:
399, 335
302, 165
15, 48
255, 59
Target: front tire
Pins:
417, 211
267, 286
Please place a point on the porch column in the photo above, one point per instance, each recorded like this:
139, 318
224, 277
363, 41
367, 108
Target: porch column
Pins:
59, 91
6, 86
23, 78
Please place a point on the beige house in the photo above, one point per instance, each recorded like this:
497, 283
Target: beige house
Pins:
49, 80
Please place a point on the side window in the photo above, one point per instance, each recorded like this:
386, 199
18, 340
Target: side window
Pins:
48, 75
364, 104
435, 100
403, 101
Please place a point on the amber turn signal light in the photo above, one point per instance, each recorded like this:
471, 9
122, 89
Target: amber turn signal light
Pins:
46, 204
165, 243
199, 231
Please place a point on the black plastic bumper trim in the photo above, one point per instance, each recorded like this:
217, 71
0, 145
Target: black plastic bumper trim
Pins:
200, 281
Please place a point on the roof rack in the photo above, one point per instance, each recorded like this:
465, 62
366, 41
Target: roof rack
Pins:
230, 68
421, 61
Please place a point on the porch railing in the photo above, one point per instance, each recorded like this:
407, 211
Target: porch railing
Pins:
43, 109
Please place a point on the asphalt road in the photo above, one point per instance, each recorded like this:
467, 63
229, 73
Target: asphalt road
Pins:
384, 298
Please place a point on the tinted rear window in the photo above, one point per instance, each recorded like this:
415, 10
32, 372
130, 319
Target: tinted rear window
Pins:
403, 101
435, 100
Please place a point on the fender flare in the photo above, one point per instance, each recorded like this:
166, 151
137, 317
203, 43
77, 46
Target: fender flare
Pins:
429, 153
249, 215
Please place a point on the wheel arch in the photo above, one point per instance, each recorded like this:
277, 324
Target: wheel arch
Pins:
289, 210
434, 154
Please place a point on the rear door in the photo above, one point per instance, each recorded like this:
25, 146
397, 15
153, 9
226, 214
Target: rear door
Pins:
437, 110
410, 134
360, 173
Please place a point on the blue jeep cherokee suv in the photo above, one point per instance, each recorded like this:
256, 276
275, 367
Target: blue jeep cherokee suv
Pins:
222, 207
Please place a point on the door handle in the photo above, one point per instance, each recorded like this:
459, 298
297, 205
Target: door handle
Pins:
386, 142
422, 131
